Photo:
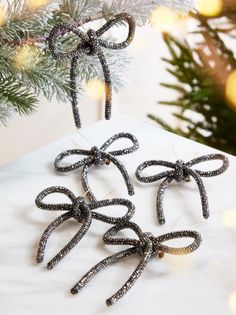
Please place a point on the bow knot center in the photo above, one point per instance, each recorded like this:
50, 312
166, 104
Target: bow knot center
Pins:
92, 44
79, 209
156, 249
98, 157
181, 173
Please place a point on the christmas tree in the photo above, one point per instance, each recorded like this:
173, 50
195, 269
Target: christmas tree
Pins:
206, 78
26, 65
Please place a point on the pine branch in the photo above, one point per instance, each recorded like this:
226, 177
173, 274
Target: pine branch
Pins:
82, 9
161, 122
215, 122
14, 95
49, 77
165, 125
5, 114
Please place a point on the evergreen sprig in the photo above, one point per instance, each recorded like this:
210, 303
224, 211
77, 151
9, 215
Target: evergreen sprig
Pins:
215, 122
16, 96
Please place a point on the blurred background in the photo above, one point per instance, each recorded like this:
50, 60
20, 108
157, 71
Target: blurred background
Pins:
178, 73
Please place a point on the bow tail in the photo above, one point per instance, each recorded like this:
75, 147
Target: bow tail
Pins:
203, 193
159, 202
108, 84
133, 278
46, 234
74, 93
73, 242
85, 184
124, 173
101, 265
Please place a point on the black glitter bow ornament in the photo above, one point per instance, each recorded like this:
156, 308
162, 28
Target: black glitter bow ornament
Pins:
79, 210
99, 157
147, 246
180, 172
90, 44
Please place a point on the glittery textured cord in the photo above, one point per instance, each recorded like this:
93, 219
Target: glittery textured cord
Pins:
81, 212
181, 172
90, 44
147, 246
98, 157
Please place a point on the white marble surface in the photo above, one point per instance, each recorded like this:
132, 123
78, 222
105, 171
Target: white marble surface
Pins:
195, 284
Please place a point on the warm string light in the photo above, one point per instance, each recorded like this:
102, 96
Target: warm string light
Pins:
166, 19
95, 89
232, 302
209, 8
25, 57
36, 4
230, 90
2, 16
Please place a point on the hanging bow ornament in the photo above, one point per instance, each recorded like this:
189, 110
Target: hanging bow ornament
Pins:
180, 172
147, 246
79, 210
99, 157
91, 44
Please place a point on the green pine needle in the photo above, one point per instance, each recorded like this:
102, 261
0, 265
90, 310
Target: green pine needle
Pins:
216, 125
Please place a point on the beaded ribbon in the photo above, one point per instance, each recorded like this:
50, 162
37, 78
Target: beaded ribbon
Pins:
180, 172
79, 210
90, 44
147, 246
99, 157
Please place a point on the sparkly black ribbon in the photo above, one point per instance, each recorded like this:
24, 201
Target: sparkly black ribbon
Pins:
97, 157
81, 212
147, 246
181, 172
90, 44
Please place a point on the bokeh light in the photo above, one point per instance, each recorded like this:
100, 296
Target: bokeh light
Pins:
209, 8
26, 57
95, 89
232, 302
230, 90
229, 218
35, 4
166, 19
2, 16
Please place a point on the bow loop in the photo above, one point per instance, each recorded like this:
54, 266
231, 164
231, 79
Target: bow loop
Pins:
62, 168
116, 137
109, 238
113, 202
51, 206
158, 241
122, 17
153, 178
210, 157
